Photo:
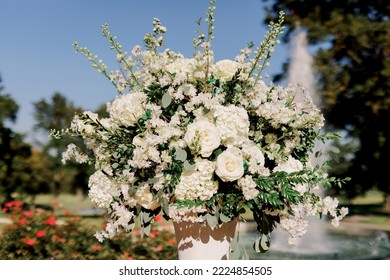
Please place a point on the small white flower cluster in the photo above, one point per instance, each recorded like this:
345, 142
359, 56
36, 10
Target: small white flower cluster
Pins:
74, 153
248, 187
187, 136
329, 206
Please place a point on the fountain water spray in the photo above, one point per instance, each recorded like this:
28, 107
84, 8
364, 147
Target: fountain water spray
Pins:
301, 71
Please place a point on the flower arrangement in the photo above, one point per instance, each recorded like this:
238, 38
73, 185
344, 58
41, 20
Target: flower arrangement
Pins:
201, 140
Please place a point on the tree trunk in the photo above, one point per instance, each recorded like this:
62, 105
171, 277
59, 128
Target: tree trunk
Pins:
386, 202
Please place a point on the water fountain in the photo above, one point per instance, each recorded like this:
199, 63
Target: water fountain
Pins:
321, 241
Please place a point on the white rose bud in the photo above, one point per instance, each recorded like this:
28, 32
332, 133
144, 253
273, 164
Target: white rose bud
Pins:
230, 165
202, 137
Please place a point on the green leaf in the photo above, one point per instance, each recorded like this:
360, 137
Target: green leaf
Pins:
211, 81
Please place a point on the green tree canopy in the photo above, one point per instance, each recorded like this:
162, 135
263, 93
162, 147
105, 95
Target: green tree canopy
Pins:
354, 77
14, 152
57, 113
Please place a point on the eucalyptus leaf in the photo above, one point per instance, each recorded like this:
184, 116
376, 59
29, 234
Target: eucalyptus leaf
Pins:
235, 254
212, 220
152, 180
130, 226
235, 242
146, 217
188, 166
166, 100
224, 218
262, 243
180, 154
145, 230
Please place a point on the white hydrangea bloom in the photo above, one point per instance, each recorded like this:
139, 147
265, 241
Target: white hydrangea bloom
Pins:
197, 184
102, 190
233, 125
127, 109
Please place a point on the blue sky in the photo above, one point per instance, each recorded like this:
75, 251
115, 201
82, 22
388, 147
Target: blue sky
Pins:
37, 57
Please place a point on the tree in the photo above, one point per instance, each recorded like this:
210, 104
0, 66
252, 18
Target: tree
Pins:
354, 77
57, 114
14, 152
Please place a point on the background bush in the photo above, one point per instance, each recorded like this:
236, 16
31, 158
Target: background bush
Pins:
44, 234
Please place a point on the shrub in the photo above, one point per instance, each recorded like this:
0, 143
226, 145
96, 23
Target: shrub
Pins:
42, 234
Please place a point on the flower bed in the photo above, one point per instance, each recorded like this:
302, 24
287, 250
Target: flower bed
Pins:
40, 234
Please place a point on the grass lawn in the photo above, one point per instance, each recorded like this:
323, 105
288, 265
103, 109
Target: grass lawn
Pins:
68, 202
370, 198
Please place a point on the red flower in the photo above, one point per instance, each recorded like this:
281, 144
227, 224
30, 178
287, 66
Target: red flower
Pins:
4, 209
136, 232
172, 241
22, 222
67, 213
158, 248
158, 218
9, 204
56, 203
96, 247
28, 213
13, 203
59, 239
41, 233
154, 233
30, 242
50, 221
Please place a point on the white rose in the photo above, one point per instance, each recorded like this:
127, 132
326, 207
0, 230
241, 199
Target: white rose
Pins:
230, 165
225, 69
202, 137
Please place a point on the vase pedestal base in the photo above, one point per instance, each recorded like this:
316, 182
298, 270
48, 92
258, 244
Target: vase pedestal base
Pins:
198, 241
